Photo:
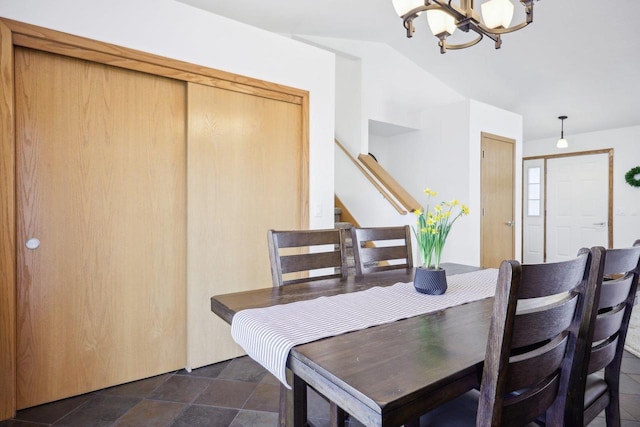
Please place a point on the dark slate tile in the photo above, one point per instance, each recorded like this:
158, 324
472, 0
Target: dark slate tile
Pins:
141, 388
598, 422
265, 397
630, 407
51, 412
269, 378
100, 411
180, 388
243, 369
630, 365
628, 385
205, 416
211, 371
150, 413
225, 393
255, 419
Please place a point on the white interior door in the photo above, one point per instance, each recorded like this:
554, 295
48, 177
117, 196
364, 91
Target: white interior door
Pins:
577, 204
533, 208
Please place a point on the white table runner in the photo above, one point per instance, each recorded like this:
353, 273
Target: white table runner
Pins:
268, 334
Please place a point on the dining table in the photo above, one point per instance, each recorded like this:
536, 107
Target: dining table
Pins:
383, 375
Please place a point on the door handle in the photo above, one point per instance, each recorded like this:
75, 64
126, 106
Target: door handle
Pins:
510, 223
601, 224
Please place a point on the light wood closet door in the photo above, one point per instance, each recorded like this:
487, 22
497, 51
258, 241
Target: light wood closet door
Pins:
101, 183
246, 174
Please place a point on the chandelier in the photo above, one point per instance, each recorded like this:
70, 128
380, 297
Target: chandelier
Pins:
444, 17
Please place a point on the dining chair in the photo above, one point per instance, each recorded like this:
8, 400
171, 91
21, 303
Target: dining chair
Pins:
294, 254
298, 253
531, 346
381, 248
606, 330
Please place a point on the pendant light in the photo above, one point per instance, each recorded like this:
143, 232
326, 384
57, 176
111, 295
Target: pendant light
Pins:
562, 143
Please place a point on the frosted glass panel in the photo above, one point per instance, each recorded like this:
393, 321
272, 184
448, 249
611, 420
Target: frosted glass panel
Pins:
534, 175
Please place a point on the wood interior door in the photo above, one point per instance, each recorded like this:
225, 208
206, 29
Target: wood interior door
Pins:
101, 176
247, 173
497, 226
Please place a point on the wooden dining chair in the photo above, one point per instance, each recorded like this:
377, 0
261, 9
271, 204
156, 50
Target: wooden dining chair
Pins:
299, 253
295, 254
531, 346
381, 248
606, 331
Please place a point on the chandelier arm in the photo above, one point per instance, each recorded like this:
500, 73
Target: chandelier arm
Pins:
462, 45
498, 31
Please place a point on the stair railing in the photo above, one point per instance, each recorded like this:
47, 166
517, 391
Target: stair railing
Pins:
390, 189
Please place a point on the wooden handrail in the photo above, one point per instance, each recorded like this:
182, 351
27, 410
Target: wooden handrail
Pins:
401, 195
375, 183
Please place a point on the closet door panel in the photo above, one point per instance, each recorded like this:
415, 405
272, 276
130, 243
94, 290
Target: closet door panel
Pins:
101, 183
245, 175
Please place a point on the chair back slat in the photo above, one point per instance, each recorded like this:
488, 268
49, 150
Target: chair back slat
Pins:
621, 261
615, 292
608, 323
526, 369
302, 238
546, 322
386, 253
529, 406
312, 261
602, 355
532, 343
564, 279
381, 248
306, 255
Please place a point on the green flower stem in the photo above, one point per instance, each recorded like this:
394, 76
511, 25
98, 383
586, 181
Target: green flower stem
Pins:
433, 227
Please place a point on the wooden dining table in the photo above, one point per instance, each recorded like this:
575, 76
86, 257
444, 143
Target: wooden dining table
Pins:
385, 375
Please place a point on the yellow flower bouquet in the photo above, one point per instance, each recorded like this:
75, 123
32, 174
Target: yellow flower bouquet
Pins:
433, 227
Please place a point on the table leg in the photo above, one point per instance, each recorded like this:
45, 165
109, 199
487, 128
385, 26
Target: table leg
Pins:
337, 416
293, 403
299, 402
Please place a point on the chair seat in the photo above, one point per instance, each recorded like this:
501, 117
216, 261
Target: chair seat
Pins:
595, 388
459, 412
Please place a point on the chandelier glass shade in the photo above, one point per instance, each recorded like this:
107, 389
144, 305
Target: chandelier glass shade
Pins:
445, 16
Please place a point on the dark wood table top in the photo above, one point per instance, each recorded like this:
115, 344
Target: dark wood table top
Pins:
387, 374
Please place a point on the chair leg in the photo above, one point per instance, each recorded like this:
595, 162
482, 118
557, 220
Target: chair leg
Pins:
612, 411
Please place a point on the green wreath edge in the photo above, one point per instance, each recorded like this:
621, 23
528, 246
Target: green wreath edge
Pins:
630, 177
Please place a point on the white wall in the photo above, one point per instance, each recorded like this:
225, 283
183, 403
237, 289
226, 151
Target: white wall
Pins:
626, 155
445, 156
175, 30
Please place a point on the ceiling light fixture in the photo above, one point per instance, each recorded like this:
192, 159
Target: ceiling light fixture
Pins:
562, 143
444, 17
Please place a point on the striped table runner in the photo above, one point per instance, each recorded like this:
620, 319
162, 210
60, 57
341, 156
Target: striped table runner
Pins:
268, 334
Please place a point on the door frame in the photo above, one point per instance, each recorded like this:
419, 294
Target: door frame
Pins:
14, 33
548, 157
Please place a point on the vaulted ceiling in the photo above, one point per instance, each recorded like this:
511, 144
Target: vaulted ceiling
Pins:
579, 58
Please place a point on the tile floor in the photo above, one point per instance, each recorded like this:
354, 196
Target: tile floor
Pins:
233, 393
